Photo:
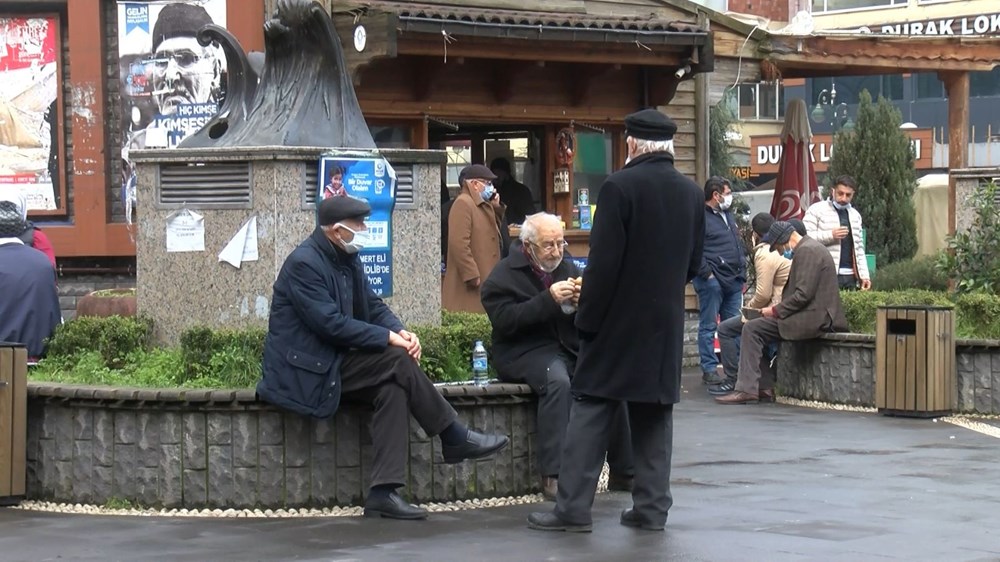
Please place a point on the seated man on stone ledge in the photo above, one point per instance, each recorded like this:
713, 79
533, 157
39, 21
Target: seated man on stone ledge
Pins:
330, 336
810, 306
531, 298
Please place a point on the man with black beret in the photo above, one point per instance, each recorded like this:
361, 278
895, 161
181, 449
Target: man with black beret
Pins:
183, 71
810, 306
330, 336
645, 247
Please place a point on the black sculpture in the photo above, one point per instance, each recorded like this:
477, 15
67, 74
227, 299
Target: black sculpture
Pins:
304, 97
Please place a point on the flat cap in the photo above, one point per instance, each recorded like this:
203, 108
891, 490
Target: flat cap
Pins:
779, 233
650, 124
477, 172
799, 226
335, 209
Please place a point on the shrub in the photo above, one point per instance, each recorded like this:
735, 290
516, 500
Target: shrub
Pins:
977, 315
973, 260
447, 349
230, 358
112, 337
918, 273
878, 155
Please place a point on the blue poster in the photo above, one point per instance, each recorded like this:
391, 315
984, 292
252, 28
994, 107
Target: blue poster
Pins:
373, 180
580, 263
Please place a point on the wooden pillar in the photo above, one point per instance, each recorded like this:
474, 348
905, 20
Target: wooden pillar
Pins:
957, 85
702, 87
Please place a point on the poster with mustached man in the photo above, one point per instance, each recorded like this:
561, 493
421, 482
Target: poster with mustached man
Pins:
170, 84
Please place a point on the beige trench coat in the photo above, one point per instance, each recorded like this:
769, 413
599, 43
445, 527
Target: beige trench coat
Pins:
473, 249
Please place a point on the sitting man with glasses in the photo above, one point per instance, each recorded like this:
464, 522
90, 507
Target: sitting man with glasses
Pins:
531, 299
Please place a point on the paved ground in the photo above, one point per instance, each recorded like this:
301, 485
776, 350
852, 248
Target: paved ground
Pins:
767, 483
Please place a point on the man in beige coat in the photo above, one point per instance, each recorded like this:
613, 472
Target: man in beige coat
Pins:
771, 271
475, 243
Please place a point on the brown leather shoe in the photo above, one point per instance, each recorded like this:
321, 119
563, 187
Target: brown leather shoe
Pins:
766, 395
737, 397
550, 487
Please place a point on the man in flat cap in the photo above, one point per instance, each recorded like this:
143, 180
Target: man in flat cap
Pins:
476, 241
330, 336
810, 306
183, 71
645, 247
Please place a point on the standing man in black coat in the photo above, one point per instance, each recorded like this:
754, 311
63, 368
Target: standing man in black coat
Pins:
531, 298
645, 246
328, 334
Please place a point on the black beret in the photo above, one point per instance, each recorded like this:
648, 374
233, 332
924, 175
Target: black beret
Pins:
761, 223
335, 209
650, 124
179, 20
477, 172
779, 233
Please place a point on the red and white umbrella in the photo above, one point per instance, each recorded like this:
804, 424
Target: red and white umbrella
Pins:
795, 188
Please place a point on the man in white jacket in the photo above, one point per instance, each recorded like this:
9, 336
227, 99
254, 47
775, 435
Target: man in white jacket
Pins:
837, 225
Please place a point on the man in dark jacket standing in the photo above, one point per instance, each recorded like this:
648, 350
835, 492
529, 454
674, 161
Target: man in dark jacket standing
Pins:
810, 306
645, 246
531, 298
720, 279
329, 334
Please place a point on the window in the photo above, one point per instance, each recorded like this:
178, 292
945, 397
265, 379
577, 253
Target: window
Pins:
929, 86
848, 88
984, 84
761, 101
836, 5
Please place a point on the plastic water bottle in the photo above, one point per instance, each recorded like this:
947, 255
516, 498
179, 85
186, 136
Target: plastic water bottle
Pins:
480, 368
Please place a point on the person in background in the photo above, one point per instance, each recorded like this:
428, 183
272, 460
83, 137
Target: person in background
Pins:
531, 299
720, 280
771, 271
514, 194
836, 224
810, 306
29, 305
329, 336
475, 239
29, 234
644, 248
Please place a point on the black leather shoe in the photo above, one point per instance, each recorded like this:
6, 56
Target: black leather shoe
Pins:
630, 518
393, 506
476, 446
549, 521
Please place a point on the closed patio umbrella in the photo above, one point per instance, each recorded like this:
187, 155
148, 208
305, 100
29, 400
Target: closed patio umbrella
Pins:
795, 186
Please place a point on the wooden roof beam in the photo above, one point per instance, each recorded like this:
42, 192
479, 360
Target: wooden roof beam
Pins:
533, 51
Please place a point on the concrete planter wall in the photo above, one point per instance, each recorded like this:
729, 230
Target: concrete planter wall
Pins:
840, 368
224, 449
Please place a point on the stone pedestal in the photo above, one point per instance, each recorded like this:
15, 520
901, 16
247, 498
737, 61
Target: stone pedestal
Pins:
227, 187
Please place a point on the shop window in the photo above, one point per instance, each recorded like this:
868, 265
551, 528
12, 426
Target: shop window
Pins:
764, 100
592, 163
929, 86
984, 84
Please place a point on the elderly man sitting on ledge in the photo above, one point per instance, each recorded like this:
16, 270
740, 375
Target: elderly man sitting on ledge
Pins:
810, 306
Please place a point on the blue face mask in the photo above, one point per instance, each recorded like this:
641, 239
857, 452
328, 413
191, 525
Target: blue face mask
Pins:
788, 253
488, 192
840, 207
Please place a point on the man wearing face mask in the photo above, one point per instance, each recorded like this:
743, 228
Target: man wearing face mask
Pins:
330, 336
475, 240
531, 299
810, 306
720, 280
837, 225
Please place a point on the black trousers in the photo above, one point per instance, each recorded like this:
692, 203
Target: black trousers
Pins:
554, 399
392, 382
590, 426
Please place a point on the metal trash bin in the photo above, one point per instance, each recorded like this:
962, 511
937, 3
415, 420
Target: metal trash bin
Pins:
914, 361
13, 421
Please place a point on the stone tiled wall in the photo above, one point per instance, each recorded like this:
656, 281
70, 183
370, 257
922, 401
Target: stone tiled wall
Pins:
223, 449
840, 368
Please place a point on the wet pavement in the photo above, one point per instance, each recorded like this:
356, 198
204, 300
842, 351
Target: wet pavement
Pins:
765, 482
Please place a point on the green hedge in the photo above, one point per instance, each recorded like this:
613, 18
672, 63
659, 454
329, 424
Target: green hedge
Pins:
918, 273
977, 315
117, 351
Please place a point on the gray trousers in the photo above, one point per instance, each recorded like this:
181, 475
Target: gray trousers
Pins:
554, 400
392, 382
590, 426
755, 372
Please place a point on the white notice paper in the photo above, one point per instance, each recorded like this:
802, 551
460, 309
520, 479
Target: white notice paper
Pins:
243, 246
185, 232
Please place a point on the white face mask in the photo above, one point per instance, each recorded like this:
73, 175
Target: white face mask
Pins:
357, 243
727, 201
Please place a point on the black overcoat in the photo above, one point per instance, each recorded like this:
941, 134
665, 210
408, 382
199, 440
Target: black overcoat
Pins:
645, 246
322, 307
529, 328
